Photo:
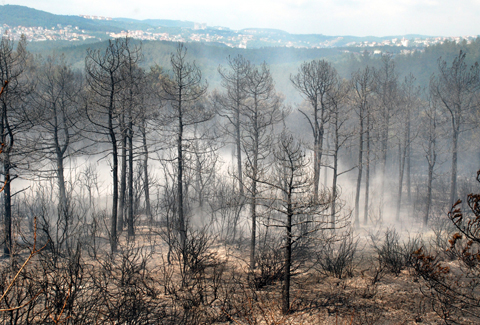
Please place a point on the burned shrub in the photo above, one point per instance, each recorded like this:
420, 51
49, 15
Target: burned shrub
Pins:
336, 257
392, 254
270, 263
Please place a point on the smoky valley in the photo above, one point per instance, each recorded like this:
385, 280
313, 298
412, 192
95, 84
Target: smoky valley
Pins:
185, 183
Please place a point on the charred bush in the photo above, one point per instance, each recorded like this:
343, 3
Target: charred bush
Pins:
194, 279
270, 264
392, 254
124, 289
336, 257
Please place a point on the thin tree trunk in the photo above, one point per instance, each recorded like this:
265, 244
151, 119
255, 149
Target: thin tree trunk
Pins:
288, 260
335, 173
429, 193
181, 218
367, 172
321, 132
401, 171
318, 147
317, 152
253, 207
113, 228
6, 147
131, 230
334, 189
123, 178
453, 180
239, 151
7, 200
62, 197
360, 170
326, 167
431, 160
60, 150
409, 154
146, 181
198, 174
253, 214
384, 165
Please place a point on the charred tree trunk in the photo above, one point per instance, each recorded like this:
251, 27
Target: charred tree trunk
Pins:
62, 201
402, 151
113, 228
238, 146
146, 181
181, 226
453, 176
7, 201
334, 187
131, 229
367, 171
431, 156
431, 165
253, 203
409, 159
383, 163
288, 258
123, 176
360, 170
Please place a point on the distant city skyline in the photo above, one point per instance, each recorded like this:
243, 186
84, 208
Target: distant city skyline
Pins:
328, 17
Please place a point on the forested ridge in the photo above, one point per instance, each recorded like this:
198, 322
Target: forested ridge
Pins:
173, 183
282, 61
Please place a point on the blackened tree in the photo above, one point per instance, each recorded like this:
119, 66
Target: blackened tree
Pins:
183, 90
57, 99
14, 120
105, 83
456, 88
315, 80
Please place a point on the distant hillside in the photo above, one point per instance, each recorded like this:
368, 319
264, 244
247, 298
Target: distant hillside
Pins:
188, 31
14, 15
158, 22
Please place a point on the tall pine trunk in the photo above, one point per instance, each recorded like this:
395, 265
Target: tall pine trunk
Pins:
360, 170
123, 179
367, 171
131, 230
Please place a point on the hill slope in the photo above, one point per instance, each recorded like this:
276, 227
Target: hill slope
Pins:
14, 15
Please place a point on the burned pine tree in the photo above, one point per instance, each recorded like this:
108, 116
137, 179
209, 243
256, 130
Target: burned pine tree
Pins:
232, 103
362, 84
386, 89
456, 88
315, 80
289, 198
105, 82
430, 135
409, 103
58, 100
263, 109
183, 91
341, 132
15, 120
131, 102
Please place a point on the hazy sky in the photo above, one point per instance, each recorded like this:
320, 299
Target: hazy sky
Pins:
328, 17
